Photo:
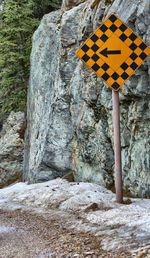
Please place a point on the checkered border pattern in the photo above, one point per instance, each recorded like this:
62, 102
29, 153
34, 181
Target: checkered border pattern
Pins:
87, 53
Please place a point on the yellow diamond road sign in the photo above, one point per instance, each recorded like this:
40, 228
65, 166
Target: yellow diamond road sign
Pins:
114, 52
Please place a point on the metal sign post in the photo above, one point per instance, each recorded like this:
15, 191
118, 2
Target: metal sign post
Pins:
117, 147
114, 52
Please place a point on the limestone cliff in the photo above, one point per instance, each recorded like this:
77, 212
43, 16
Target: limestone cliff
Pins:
70, 108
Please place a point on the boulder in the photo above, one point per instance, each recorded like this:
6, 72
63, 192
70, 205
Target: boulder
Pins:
11, 149
70, 108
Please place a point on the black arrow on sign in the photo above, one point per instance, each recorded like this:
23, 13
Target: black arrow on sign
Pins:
106, 52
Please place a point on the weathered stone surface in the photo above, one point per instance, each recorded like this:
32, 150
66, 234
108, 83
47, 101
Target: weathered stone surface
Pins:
69, 108
11, 149
68, 4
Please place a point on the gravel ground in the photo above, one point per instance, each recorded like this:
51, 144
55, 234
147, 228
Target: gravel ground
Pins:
24, 234
59, 219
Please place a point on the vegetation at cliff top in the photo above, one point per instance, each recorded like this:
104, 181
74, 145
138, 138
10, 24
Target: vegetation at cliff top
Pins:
18, 21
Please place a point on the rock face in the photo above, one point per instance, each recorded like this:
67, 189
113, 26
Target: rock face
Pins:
11, 149
70, 108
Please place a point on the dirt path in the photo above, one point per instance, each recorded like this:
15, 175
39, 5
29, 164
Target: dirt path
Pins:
24, 235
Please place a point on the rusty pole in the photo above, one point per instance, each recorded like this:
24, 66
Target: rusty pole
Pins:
117, 147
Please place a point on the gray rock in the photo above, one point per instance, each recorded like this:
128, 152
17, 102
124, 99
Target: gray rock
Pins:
68, 4
11, 149
70, 108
